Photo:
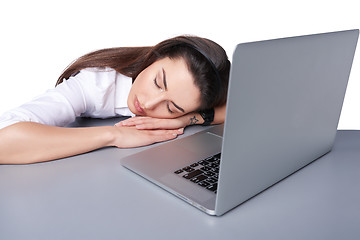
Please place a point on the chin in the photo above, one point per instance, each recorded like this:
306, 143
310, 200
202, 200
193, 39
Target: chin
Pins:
131, 107
133, 110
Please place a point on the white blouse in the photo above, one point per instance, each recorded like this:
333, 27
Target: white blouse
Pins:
93, 92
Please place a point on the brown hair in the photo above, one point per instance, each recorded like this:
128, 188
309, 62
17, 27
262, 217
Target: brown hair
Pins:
203, 57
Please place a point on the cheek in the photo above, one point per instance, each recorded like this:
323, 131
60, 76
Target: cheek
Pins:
142, 83
136, 89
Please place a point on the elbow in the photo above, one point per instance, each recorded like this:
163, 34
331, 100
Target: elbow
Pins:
5, 156
10, 146
13, 160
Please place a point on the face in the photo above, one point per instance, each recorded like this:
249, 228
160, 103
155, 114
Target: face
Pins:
165, 89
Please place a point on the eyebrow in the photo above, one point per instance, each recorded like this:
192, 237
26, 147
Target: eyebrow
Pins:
165, 86
164, 79
178, 107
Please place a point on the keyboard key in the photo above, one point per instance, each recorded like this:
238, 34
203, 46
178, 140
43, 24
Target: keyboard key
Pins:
204, 184
211, 159
209, 174
213, 165
211, 180
193, 174
203, 162
194, 165
212, 187
178, 171
205, 169
188, 169
198, 178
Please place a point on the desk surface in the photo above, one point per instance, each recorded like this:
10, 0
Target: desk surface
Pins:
89, 197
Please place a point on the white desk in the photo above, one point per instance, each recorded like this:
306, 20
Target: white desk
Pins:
96, 198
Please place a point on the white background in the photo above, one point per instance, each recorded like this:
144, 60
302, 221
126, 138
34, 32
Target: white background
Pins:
40, 38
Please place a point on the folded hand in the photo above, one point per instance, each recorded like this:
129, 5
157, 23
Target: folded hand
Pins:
154, 123
128, 137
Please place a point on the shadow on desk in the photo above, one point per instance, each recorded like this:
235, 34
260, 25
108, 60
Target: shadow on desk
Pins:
94, 122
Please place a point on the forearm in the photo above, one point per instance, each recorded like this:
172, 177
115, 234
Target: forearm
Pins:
172, 123
28, 142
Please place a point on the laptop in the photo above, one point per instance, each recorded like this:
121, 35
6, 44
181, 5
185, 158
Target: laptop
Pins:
284, 102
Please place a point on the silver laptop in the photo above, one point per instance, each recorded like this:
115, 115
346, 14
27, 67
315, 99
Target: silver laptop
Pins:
284, 102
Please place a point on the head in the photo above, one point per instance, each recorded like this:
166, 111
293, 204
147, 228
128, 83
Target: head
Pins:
178, 76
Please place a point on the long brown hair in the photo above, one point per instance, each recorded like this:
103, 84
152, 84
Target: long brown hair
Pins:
202, 56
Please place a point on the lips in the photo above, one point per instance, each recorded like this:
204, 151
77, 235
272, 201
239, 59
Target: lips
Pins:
138, 107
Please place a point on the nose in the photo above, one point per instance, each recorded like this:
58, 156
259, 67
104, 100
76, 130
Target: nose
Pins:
153, 101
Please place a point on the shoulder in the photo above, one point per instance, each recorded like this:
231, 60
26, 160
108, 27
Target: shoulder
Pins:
99, 88
100, 77
96, 74
95, 82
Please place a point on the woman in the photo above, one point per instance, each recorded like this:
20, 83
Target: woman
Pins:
179, 82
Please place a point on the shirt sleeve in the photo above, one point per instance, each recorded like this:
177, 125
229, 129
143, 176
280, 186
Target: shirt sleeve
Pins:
90, 93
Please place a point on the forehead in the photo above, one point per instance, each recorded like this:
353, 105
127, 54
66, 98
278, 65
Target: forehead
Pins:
181, 88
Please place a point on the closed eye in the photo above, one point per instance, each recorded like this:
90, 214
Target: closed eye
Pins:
156, 84
168, 107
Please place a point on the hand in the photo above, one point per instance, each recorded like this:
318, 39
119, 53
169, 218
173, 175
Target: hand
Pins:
154, 123
128, 137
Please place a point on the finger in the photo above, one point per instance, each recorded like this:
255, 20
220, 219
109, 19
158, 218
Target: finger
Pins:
153, 136
126, 122
164, 137
144, 126
133, 121
161, 132
159, 124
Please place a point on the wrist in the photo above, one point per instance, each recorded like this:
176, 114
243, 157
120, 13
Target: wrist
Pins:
193, 118
109, 136
208, 116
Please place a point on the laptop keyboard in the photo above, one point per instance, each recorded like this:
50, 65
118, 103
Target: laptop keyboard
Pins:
205, 172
